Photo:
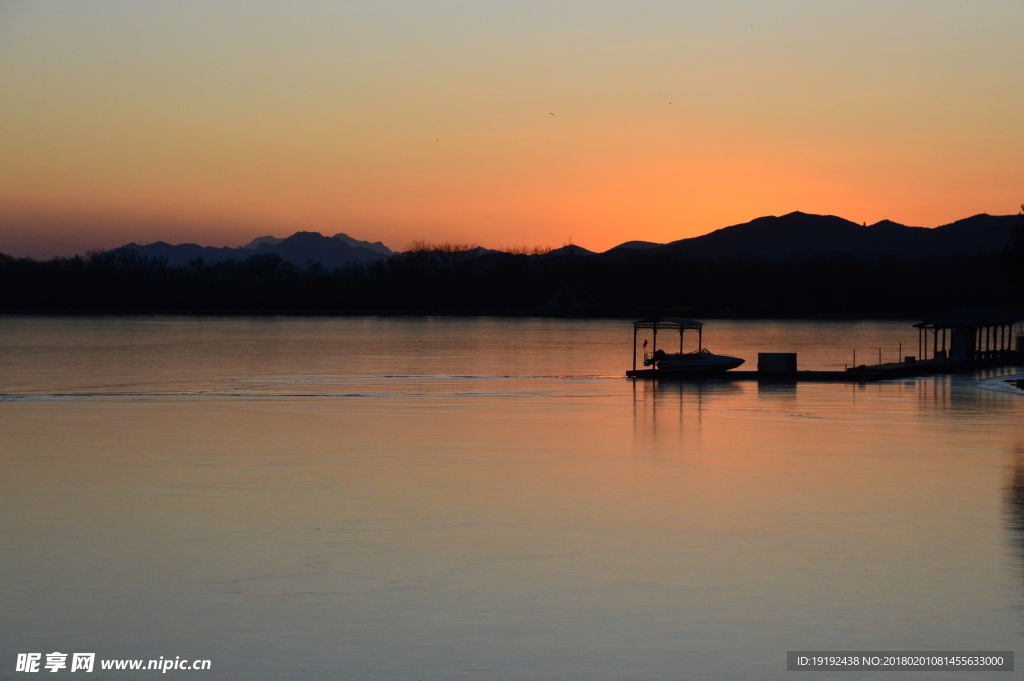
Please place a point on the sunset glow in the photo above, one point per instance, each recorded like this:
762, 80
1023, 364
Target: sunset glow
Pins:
498, 123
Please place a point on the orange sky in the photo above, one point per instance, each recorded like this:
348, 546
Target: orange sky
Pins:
144, 121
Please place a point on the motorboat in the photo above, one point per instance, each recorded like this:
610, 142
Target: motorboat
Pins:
702, 361
697, 363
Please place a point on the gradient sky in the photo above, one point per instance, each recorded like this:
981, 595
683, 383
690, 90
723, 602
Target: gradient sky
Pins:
218, 122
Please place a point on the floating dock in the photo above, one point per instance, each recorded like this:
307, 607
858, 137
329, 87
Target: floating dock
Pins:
962, 342
861, 374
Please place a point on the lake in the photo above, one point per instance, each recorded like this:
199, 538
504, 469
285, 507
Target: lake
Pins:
483, 498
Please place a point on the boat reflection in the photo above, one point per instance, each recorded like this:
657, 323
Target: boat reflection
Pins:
668, 415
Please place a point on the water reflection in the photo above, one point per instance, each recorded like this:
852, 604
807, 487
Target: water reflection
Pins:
668, 415
776, 389
958, 395
1015, 502
457, 510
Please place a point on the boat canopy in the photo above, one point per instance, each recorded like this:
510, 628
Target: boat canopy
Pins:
671, 323
667, 323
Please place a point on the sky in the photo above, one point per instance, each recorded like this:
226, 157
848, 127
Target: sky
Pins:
498, 123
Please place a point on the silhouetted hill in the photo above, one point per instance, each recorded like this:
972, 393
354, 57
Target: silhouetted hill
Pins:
635, 246
805, 234
565, 251
301, 248
182, 254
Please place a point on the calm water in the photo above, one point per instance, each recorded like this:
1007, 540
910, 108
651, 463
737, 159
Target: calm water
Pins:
486, 499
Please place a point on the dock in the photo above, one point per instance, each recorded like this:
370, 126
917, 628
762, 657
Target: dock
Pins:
868, 374
961, 342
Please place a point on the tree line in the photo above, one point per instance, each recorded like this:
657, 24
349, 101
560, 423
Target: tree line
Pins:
431, 281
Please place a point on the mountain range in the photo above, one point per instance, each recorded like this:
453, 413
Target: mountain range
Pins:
806, 234
770, 237
301, 248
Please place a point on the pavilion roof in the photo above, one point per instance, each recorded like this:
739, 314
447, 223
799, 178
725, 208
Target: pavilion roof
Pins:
972, 319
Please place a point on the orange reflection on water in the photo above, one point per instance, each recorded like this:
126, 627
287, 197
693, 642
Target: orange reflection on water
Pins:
452, 522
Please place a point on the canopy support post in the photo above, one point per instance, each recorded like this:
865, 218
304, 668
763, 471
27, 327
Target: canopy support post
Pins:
635, 329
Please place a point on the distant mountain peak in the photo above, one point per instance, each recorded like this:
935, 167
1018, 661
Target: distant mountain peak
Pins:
255, 243
305, 237
376, 246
